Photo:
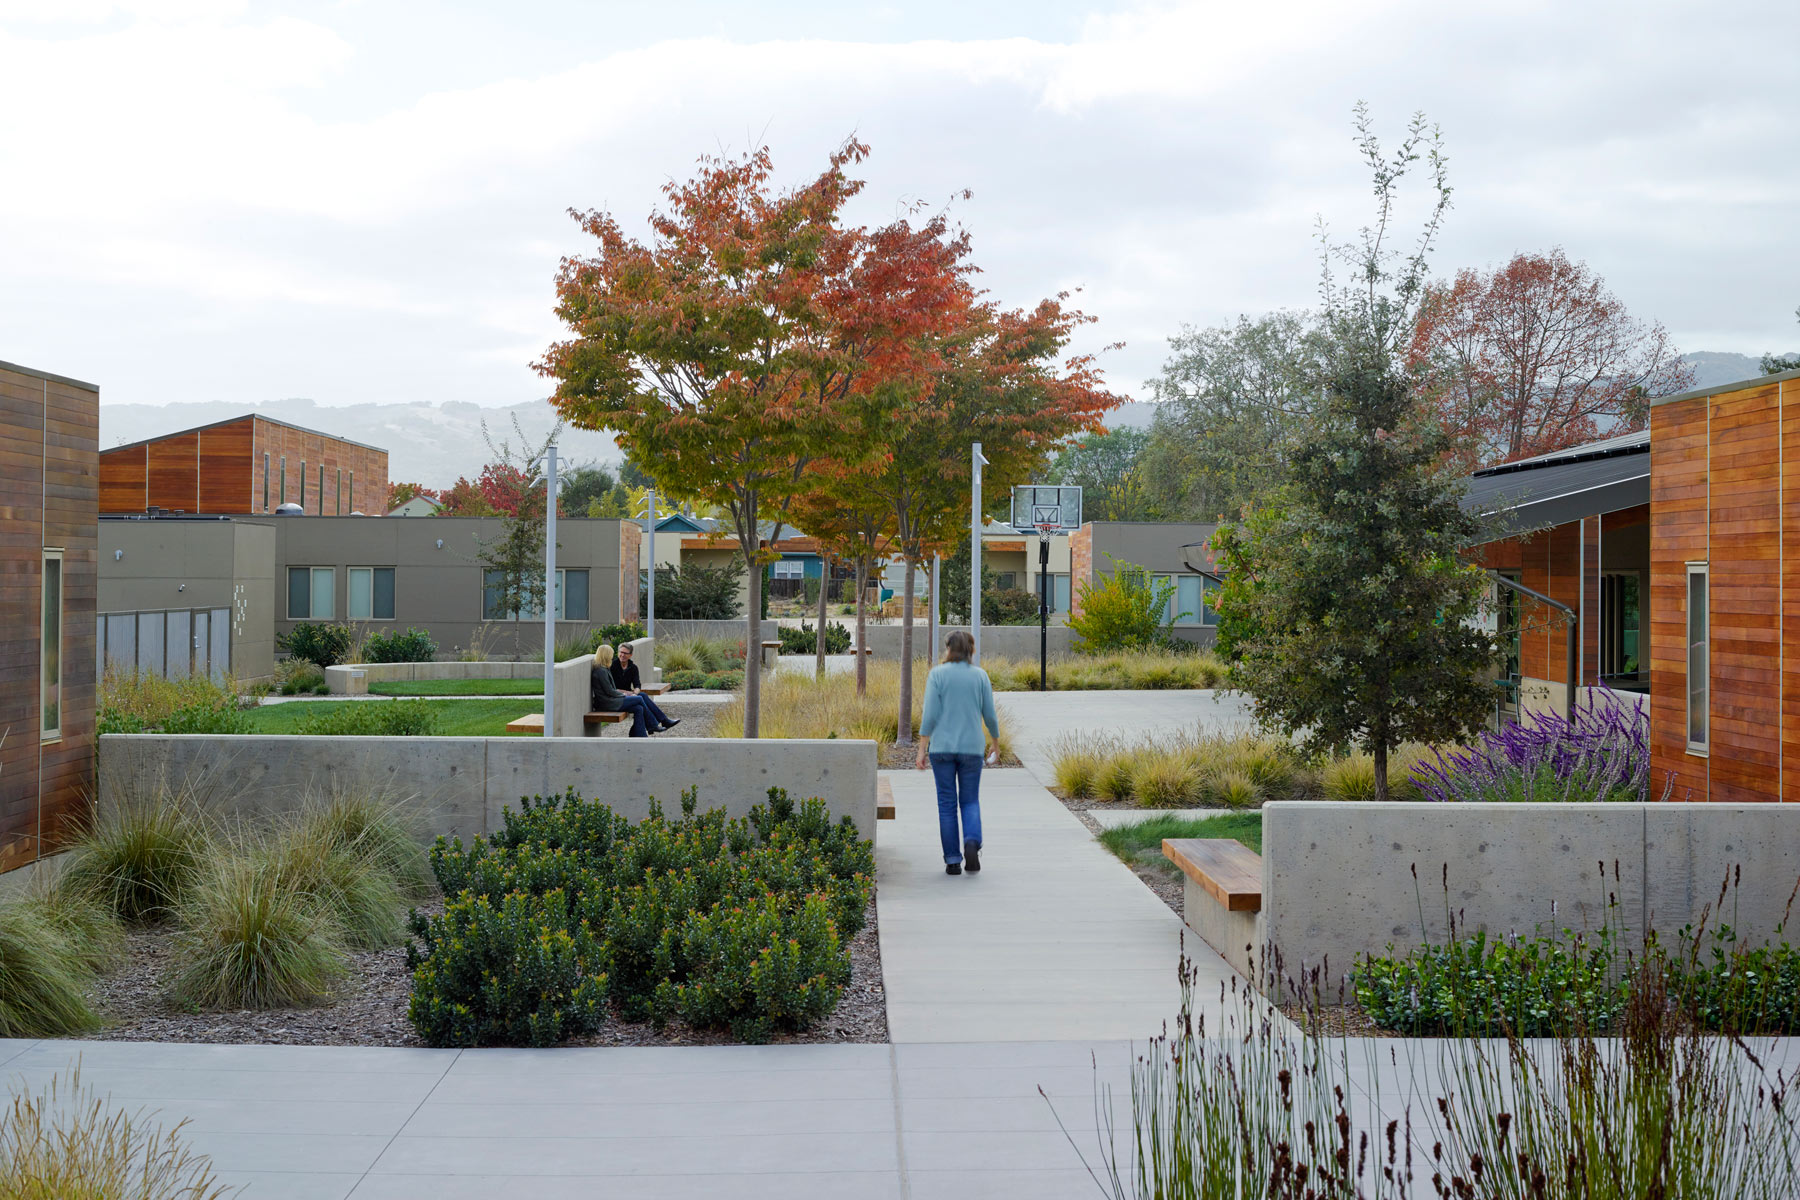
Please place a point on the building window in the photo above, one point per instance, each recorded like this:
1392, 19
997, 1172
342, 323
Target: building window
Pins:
1696, 658
1007, 579
1619, 621
311, 593
283, 484
51, 728
1187, 605
353, 491
321, 489
338, 503
571, 597
265, 481
1059, 593
371, 594
303, 483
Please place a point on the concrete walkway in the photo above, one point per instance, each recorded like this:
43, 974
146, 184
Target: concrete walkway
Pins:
1054, 940
746, 1122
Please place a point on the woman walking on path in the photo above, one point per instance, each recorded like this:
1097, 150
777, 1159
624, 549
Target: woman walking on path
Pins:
959, 700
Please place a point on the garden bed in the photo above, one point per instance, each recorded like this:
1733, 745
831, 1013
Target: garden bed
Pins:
370, 1009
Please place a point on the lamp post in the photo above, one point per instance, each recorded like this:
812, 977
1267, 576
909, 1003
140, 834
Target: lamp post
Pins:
549, 591
975, 548
650, 593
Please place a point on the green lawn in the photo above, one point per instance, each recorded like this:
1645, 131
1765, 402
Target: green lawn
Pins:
1141, 844
459, 687
456, 718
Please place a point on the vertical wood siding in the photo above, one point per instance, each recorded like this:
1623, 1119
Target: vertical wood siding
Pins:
49, 492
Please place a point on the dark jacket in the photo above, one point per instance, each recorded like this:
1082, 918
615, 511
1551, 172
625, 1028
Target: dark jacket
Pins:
603, 692
625, 676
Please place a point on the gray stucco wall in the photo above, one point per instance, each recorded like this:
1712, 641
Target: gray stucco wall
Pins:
160, 565
1157, 546
1338, 882
461, 785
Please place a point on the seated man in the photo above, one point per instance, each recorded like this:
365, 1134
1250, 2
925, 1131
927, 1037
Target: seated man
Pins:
605, 696
626, 679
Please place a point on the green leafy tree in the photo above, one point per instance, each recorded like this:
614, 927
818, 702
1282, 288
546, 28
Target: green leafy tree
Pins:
1774, 364
692, 592
1126, 610
582, 486
513, 563
1360, 624
1234, 401
1105, 467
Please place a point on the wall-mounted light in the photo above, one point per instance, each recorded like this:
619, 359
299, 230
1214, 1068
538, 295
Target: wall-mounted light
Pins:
117, 555
440, 543
182, 588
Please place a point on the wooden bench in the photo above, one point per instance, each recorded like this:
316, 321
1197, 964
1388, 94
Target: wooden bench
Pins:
655, 689
770, 652
597, 720
1221, 896
884, 799
529, 723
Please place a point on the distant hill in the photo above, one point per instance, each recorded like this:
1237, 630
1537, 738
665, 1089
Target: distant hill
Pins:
1713, 367
431, 444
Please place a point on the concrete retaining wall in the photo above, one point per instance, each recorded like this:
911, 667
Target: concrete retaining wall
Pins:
731, 630
1338, 877
354, 679
463, 784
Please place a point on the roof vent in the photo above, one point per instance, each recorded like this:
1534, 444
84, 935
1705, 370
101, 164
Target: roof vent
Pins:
290, 509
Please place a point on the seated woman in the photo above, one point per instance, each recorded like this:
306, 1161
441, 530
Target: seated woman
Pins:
605, 695
626, 679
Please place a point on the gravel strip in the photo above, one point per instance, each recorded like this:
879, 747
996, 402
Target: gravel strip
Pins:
371, 1008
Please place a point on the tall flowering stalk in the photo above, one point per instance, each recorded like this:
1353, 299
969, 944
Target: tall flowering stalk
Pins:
1603, 753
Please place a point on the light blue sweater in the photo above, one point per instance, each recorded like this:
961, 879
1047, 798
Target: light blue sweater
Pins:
959, 699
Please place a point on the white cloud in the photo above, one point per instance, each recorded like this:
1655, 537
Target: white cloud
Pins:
210, 164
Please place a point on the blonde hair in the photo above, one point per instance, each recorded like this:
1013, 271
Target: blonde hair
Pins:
603, 654
959, 646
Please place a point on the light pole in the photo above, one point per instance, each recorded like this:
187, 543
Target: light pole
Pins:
931, 635
549, 591
650, 594
975, 548
1043, 609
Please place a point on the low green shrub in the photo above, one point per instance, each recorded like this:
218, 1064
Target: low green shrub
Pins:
733, 924
1740, 989
682, 681
224, 715
618, 633
725, 681
298, 677
42, 977
515, 970
139, 702
805, 640
137, 858
1496, 987
400, 646
323, 643
373, 718
249, 939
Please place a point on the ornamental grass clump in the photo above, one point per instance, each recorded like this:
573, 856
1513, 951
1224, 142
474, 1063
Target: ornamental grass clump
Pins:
137, 857
43, 976
740, 925
67, 1143
1601, 754
250, 939
1184, 770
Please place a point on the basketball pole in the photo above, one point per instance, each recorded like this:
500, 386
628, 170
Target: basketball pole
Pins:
975, 549
1043, 609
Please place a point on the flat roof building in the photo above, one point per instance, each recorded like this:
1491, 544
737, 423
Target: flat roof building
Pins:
248, 464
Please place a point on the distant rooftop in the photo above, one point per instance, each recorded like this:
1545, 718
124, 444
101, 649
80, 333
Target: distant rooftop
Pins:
233, 421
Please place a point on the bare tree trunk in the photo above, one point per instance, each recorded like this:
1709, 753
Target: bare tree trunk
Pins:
862, 627
1381, 766
819, 654
753, 650
906, 638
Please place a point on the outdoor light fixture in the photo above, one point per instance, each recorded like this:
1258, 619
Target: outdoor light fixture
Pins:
440, 543
117, 555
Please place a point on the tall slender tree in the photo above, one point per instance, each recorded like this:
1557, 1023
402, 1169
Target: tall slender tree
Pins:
728, 352
1357, 598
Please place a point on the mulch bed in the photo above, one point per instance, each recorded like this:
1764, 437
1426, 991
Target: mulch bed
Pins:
371, 1007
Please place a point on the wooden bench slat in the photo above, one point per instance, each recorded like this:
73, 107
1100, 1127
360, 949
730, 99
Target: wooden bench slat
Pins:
654, 689
606, 718
884, 799
529, 723
1230, 871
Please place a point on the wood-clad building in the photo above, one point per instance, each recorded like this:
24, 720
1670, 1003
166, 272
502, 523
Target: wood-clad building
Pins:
49, 475
1580, 520
1724, 524
249, 464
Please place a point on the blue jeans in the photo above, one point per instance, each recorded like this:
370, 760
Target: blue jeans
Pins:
959, 789
656, 716
636, 706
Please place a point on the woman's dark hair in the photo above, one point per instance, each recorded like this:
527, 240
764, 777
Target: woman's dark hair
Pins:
959, 646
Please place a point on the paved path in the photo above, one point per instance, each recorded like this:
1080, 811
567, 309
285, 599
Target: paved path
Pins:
1055, 939
746, 1122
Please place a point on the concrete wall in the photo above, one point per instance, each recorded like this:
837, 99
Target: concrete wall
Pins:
733, 630
1338, 877
463, 784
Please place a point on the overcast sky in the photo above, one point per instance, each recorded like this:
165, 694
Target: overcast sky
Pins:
354, 202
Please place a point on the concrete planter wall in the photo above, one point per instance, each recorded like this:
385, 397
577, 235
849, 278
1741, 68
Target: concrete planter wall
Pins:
1338, 877
1000, 641
353, 679
732, 630
461, 785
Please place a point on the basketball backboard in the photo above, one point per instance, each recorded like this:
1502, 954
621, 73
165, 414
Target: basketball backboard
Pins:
1038, 506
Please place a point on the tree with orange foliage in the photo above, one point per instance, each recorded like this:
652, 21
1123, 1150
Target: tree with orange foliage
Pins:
1538, 356
730, 351
998, 381
851, 528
